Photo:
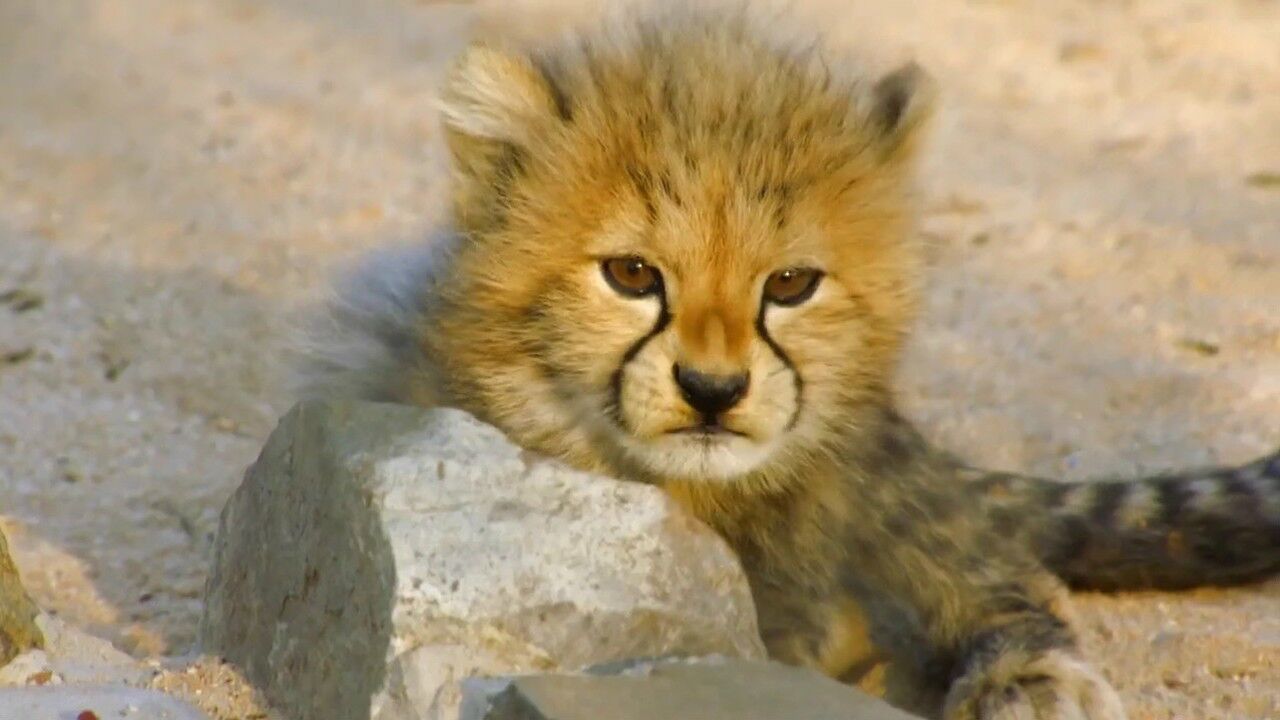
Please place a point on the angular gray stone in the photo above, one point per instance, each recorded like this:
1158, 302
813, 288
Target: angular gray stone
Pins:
706, 689
106, 702
377, 554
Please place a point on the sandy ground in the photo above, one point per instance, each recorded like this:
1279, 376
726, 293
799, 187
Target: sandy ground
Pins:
1104, 194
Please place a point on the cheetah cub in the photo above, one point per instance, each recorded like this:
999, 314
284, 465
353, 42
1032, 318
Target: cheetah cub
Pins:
681, 253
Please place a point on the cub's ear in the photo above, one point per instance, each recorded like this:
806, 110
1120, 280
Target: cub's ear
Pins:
495, 103
497, 95
902, 104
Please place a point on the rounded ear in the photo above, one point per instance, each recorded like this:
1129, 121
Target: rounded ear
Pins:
493, 107
497, 95
902, 104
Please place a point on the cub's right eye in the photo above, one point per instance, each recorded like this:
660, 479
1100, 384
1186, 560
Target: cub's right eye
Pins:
631, 276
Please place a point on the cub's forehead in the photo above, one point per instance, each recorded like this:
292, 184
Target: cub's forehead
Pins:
698, 108
695, 143
732, 234
708, 134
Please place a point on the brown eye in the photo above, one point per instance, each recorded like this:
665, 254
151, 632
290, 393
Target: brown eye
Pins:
631, 276
792, 286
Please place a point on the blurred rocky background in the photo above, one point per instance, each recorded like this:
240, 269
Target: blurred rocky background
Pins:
1103, 211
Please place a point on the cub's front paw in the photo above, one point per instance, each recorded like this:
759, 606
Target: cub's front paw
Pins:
1049, 686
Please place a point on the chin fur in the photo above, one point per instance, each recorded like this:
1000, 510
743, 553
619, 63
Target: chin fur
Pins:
679, 457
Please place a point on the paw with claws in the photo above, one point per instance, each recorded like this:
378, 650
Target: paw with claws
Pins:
1055, 685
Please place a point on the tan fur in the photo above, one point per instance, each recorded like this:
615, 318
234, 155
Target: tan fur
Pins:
848, 652
721, 150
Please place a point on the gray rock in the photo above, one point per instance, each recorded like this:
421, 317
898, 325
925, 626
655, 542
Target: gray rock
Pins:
377, 554
106, 702
709, 689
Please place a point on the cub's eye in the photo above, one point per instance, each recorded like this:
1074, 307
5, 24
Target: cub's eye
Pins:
792, 286
631, 276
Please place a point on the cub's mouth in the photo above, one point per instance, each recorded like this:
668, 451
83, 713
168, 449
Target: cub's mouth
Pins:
708, 430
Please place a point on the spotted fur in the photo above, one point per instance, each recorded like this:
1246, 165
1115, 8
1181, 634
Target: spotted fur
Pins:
720, 149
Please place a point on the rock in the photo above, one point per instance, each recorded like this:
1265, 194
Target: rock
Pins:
709, 689
18, 631
376, 554
71, 656
104, 702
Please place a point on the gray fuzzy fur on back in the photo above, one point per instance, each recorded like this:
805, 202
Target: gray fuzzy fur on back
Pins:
364, 341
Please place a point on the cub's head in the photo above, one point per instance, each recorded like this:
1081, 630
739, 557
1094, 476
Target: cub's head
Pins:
684, 248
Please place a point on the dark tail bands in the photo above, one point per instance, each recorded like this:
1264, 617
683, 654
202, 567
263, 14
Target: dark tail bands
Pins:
1209, 527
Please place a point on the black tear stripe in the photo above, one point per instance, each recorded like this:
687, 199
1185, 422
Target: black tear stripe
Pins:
615, 383
786, 360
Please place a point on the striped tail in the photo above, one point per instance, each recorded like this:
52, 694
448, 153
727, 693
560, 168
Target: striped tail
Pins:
1217, 526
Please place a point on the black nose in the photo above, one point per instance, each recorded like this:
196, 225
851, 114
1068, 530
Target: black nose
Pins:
710, 394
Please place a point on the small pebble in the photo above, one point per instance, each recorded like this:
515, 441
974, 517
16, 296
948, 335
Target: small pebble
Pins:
13, 357
22, 299
68, 471
1265, 180
1077, 50
1199, 347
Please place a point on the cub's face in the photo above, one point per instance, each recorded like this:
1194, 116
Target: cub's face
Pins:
698, 268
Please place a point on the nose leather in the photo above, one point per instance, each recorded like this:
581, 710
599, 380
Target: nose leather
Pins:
707, 393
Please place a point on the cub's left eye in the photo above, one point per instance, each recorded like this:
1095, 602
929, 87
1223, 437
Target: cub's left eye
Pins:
792, 286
